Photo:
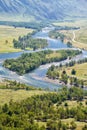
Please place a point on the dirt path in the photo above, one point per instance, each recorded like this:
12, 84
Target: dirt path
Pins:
77, 43
74, 36
73, 39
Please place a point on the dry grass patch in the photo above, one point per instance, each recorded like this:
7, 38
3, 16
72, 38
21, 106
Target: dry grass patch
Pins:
74, 103
79, 125
7, 95
81, 35
80, 40
78, 23
81, 70
53, 55
7, 34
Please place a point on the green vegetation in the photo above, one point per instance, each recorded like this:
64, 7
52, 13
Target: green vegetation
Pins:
14, 39
46, 111
81, 35
64, 27
74, 23
76, 37
55, 34
73, 73
7, 34
16, 91
28, 42
36, 26
14, 85
80, 38
69, 44
6, 95
29, 61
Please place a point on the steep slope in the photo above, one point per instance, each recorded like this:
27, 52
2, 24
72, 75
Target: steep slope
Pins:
42, 9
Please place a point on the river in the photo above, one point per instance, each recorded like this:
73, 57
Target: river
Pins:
36, 78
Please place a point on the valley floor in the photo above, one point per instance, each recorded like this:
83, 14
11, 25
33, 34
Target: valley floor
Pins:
7, 34
77, 37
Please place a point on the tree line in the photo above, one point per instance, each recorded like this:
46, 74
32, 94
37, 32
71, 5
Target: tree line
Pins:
14, 85
66, 28
55, 34
30, 61
34, 25
54, 73
28, 42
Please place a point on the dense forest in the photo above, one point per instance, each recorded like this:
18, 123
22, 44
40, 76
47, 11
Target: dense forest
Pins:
29, 61
28, 42
49, 109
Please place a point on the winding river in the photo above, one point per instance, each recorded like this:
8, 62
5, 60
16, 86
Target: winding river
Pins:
36, 78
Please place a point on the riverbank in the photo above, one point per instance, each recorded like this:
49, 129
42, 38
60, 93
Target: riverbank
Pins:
78, 44
79, 37
7, 34
73, 37
72, 74
54, 81
59, 82
29, 79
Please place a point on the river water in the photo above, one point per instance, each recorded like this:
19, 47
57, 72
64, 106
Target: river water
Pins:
36, 77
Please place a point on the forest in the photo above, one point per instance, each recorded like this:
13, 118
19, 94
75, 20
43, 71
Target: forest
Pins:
30, 61
49, 109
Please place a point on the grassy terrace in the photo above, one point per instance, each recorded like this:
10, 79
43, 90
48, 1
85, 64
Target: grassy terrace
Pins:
70, 105
80, 38
15, 91
80, 125
7, 34
56, 73
81, 71
8, 94
53, 55
78, 23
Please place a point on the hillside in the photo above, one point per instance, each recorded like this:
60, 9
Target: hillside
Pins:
42, 9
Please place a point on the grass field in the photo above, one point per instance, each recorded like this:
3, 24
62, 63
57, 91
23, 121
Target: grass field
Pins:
6, 95
81, 71
79, 125
80, 40
81, 35
53, 55
7, 34
74, 103
78, 23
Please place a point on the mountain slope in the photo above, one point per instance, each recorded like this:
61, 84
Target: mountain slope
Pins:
42, 9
